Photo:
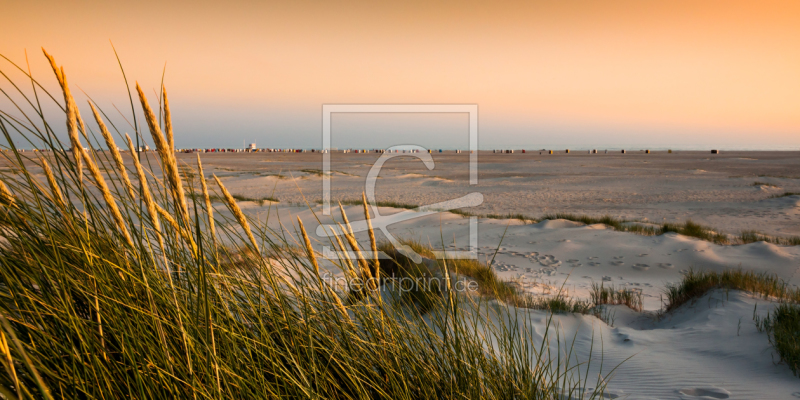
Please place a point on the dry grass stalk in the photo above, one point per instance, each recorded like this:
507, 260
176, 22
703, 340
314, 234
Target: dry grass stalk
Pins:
72, 115
362, 261
6, 197
168, 121
346, 221
112, 204
310, 250
51, 181
167, 157
206, 197
350, 269
114, 152
372, 242
146, 196
183, 232
313, 258
9, 360
237, 212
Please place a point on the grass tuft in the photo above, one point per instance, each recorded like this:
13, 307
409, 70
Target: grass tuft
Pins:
697, 283
602, 295
785, 194
751, 236
757, 183
783, 327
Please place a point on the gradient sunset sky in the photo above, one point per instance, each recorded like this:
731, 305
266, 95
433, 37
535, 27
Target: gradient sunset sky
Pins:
577, 74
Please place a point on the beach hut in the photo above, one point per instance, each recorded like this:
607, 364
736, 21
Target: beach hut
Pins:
594, 151
567, 151
549, 151
714, 151
623, 151
523, 151
647, 152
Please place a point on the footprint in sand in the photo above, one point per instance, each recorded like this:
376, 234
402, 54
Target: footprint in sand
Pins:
607, 278
665, 265
617, 263
641, 267
592, 258
705, 393
594, 264
572, 261
643, 255
619, 257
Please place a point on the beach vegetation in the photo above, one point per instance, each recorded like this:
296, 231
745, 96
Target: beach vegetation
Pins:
785, 194
695, 284
782, 325
108, 292
757, 183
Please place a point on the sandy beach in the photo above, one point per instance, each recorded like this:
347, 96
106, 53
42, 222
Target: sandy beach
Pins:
733, 191
690, 354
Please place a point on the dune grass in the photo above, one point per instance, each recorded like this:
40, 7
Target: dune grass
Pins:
518, 216
783, 327
688, 228
149, 293
317, 172
697, 283
239, 197
692, 229
601, 295
259, 200
785, 194
392, 204
757, 183
751, 236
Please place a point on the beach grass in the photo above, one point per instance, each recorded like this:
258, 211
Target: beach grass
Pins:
752, 236
695, 284
785, 194
150, 293
239, 197
757, 183
602, 295
783, 327
392, 204
317, 172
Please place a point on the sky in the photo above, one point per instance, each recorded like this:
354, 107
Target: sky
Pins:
567, 74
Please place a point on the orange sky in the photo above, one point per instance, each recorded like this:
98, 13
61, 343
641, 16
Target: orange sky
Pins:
669, 73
